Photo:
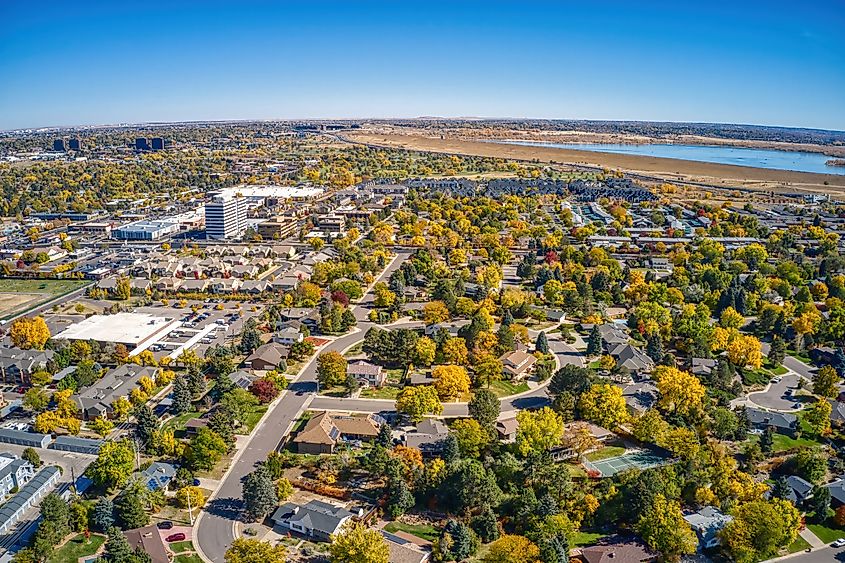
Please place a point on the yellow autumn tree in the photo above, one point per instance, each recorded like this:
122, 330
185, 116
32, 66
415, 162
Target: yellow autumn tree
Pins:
744, 350
451, 381
680, 391
28, 333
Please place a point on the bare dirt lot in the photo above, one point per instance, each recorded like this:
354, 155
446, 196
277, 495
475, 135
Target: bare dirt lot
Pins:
722, 175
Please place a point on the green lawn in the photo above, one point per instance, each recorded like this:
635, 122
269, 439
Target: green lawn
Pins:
252, 419
386, 392
424, 531
780, 370
800, 544
506, 388
781, 442
77, 547
605, 452
355, 350
579, 539
180, 546
192, 558
178, 422
826, 534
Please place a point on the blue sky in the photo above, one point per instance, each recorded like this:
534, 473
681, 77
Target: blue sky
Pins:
67, 63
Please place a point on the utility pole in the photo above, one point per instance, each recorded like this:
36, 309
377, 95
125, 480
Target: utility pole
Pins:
190, 509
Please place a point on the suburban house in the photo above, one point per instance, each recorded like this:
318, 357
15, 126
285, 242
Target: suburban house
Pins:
506, 429
612, 335
518, 364
837, 491
267, 356
406, 548
158, 475
316, 519
837, 412
288, 336
16, 365
621, 552
783, 423
599, 435
427, 437
702, 367
324, 431
799, 489
640, 396
707, 523
366, 374
631, 358
14, 473
148, 540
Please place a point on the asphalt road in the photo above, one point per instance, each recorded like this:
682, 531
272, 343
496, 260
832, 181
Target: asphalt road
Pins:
775, 396
823, 555
215, 528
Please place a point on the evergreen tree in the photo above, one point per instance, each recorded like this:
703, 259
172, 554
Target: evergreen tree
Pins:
507, 318
547, 505
781, 488
451, 452
250, 338
181, 396
399, 499
767, 440
819, 503
129, 507
654, 347
485, 407
485, 525
196, 381
555, 549
259, 493
457, 542
542, 344
117, 547
777, 351
385, 437
594, 342
103, 517
146, 423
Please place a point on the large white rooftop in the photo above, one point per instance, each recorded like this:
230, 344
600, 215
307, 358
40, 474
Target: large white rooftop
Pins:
125, 328
280, 192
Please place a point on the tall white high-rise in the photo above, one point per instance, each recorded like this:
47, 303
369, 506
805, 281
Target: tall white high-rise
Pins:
225, 217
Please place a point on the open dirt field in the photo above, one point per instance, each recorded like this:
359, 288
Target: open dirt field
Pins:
722, 175
17, 296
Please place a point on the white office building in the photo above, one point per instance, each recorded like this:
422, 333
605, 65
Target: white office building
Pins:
225, 217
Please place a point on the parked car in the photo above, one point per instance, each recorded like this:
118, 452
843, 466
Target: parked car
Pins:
175, 537
196, 483
839, 543
165, 525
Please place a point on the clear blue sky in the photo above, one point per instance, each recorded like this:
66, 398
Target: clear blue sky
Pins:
88, 62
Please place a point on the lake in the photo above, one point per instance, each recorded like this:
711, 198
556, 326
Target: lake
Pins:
756, 158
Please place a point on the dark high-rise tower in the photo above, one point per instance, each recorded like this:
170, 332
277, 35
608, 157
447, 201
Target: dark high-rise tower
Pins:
141, 144
59, 145
158, 143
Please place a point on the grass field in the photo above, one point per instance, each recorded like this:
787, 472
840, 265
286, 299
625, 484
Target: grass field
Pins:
506, 388
423, 531
585, 538
386, 392
605, 452
180, 546
77, 547
800, 544
18, 296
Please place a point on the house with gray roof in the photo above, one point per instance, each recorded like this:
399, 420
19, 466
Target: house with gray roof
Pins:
799, 489
96, 401
16, 365
783, 423
631, 358
316, 519
427, 437
158, 475
707, 523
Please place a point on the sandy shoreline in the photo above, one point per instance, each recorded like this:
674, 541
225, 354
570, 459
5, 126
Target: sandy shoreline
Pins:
723, 175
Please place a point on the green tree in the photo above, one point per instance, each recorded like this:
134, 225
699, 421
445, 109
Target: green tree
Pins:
418, 401
664, 529
259, 493
113, 465
129, 507
485, 408
594, 341
331, 369
759, 528
103, 516
538, 431
30, 455
205, 450
542, 344
472, 437
181, 396
826, 383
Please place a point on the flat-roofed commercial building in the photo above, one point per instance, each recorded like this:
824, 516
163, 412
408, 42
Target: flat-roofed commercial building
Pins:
278, 228
146, 230
225, 217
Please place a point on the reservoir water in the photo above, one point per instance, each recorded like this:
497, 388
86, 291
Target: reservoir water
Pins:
740, 156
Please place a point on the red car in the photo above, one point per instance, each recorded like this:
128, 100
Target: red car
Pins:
176, 537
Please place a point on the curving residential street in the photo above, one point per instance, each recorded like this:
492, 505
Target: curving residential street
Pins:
216, 527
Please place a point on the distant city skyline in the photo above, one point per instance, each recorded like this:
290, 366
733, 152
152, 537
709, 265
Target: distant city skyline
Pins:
98, 62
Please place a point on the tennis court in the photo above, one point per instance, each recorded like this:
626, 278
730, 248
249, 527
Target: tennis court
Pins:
641, 459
